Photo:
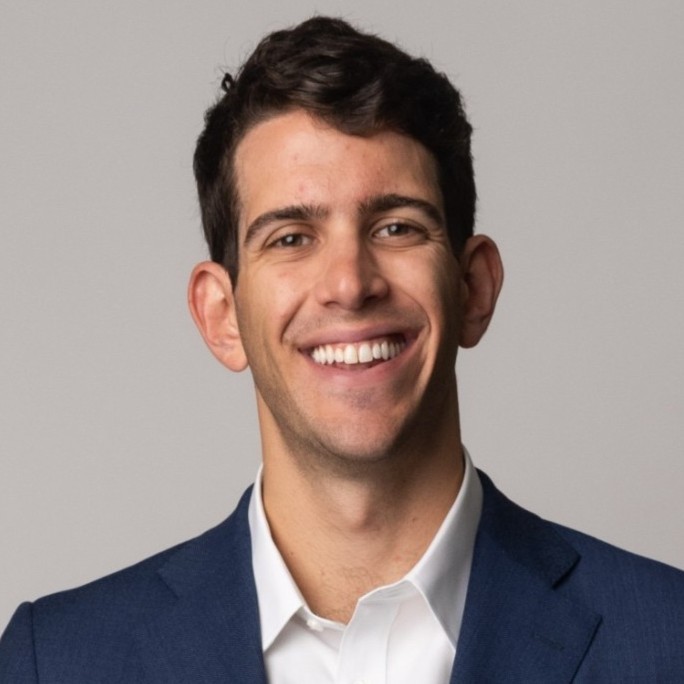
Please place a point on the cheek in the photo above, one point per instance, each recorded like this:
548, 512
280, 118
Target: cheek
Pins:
441, 300
433, 282
289, 288
273, 302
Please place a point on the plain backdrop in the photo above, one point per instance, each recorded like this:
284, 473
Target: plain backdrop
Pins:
120, 435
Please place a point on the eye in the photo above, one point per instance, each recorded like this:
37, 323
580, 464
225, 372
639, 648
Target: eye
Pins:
398, 229
291, 240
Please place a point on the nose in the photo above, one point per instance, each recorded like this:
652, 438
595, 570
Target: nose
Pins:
350, 276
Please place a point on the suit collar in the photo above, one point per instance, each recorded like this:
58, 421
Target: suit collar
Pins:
211, 631
516, 626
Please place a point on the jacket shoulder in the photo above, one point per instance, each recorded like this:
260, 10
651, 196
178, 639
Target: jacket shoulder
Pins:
639, 602
66, 632
621, 583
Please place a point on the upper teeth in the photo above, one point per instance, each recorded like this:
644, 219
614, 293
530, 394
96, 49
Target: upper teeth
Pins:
361, 352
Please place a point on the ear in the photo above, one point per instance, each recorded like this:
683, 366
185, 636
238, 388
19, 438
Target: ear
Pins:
482, 275
212, 305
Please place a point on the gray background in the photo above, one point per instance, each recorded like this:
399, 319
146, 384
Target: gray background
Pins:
120, 435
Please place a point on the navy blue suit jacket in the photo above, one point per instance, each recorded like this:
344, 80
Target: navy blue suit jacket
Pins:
545, 605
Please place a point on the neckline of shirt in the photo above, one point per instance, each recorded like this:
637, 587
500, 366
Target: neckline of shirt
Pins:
441, 574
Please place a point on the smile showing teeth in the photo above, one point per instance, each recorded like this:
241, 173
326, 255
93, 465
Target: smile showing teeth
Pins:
360, 352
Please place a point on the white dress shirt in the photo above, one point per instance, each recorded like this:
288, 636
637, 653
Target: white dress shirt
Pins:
401, 633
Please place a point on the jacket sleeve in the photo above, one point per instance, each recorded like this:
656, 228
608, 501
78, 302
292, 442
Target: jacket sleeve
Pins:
17, 652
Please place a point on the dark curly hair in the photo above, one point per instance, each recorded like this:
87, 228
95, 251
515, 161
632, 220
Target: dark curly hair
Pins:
354, 81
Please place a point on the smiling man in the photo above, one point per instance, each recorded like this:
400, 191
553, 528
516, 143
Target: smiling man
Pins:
337, 194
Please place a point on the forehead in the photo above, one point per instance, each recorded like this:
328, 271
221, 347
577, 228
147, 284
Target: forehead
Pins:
295, 158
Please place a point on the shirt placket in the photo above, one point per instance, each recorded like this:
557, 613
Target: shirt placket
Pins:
364, 649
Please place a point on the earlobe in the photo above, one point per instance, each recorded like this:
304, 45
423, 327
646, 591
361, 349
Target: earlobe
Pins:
212, 305
482, 273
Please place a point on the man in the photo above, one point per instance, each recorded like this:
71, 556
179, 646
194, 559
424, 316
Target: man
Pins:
337, 195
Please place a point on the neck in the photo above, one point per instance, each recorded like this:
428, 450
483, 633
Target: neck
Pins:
344, 533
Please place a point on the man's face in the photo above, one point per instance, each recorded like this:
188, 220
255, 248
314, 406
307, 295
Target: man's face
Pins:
348, 295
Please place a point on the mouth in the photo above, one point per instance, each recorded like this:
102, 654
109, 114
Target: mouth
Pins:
362, 354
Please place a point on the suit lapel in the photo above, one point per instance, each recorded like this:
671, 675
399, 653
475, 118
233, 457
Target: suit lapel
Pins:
211, 632
517, 626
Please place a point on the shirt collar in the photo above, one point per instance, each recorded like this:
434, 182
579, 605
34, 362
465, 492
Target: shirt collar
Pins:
441, 575
278, 596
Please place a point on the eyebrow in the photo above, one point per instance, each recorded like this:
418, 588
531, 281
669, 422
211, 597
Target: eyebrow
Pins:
373, 205
295, 212
383, 203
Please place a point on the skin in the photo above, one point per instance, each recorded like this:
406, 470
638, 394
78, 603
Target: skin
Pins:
342, 240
